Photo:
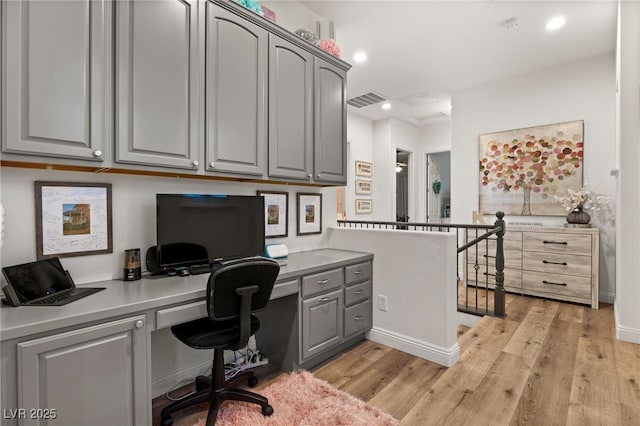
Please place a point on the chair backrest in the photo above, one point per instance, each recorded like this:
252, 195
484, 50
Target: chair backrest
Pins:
223, 302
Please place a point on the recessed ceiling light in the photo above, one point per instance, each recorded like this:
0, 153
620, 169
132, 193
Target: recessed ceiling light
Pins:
360, 57
386, 105
555, 23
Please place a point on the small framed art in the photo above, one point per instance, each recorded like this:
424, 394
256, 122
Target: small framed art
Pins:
309, 213
72, 219
363, 206
363, 187
276, 220
364, 169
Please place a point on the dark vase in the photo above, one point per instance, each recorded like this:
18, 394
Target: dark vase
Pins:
578, 216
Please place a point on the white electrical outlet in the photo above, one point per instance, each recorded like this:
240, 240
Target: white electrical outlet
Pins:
383, 303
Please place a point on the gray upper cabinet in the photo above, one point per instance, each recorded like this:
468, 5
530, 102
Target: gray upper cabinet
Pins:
330, 147
57, 78
235, 100
157, 83
290, 110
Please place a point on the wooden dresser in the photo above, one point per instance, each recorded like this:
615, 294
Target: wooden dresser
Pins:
554, 262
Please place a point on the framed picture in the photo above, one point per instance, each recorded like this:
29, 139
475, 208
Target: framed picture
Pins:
364, 169
363, 187
276, 220
72, 219
522, 170
363, 206
309, 213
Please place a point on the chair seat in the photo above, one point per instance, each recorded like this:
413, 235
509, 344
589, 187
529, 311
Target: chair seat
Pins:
204, 333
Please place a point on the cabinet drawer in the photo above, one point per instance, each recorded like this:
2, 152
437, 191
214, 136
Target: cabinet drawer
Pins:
359, 272
179, 314
321, 282
284, 288
557, 243
357, 318
566, 285
357, 292
512, 240
557, 263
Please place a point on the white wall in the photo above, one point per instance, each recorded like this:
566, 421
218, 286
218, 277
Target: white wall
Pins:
360, 137
580, 91
628, 137
134, 216
437, 136
417, 272
293, 16
384, 179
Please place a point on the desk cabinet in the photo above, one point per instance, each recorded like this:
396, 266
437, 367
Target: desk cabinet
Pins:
321, 323
90, 376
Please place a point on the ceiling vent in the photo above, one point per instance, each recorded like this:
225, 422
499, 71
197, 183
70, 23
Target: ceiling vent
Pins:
366, 100
418, 99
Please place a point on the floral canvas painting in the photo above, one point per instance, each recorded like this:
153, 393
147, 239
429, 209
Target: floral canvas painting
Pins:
522, 170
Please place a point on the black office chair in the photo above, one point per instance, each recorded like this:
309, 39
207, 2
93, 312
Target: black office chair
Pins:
234, 292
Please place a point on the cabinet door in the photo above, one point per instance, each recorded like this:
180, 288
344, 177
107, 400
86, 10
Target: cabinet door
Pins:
236, 70
91, 376
290, 110
57, 61
321, 323
157, 83
330, 146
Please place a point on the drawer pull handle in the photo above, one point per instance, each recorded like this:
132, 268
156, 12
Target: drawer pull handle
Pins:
489, 257
324, 299
357, 272
555, 263
358, 318
357, 292
564, 243
488, 274
325, 281
552, 283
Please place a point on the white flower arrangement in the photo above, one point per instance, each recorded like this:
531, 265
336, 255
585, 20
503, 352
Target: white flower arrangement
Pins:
586, 198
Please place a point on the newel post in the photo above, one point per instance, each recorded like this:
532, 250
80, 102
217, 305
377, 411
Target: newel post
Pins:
498, 293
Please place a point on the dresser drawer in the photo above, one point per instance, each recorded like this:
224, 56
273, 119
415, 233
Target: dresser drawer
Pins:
557, 263
357, 318
359, 272
512, 258
557, 243
357, 292
323, 281
512, 278
566, 285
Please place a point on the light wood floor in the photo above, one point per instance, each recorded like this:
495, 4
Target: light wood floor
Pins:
547, 363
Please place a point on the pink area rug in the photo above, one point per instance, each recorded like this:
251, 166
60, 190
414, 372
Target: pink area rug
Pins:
302, 400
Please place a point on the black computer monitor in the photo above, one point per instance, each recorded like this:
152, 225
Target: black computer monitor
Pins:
197, 229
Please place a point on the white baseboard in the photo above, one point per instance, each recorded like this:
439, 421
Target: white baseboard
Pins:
627, 334
422, 349
162, 385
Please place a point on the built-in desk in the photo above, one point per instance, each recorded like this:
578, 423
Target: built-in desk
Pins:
90, 361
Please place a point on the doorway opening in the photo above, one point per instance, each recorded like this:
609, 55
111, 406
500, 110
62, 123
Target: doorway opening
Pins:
402, 185
439, 187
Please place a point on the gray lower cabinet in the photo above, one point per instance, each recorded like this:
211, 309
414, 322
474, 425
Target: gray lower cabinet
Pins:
290, 110
57, 78
358, 309
235, 97
91, 376
322, 321
330, 142
157, 83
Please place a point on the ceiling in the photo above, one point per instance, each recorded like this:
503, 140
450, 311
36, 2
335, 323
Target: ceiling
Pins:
420, 52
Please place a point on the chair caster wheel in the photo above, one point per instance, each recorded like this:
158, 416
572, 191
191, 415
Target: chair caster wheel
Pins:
267, 410
253, 381
167, 421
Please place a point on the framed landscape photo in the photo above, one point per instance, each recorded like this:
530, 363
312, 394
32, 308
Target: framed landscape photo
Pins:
309, 213
276, 220
72, 219
364, 169
363, 206
363, 187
